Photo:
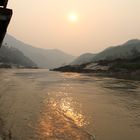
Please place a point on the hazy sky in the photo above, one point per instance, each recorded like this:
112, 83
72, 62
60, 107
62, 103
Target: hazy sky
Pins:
100, 23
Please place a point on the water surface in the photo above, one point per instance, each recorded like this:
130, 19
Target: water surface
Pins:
43, 105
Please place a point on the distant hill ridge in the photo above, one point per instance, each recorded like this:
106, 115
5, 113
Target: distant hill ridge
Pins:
11, 57
132, 41
84, 58
121, 61
44, 58
121, 51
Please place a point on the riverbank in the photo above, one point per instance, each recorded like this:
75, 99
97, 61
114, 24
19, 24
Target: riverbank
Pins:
15, 66
135, 75
119, 68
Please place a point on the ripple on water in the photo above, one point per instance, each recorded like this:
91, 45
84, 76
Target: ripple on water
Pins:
59, 120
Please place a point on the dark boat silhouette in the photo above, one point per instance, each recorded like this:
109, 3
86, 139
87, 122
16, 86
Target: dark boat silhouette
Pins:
5, 17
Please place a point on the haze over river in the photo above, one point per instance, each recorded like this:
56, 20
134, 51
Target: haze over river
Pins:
44, 105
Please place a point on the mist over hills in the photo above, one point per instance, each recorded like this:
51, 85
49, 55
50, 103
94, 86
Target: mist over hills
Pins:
11, 57
55, 58
122, 61
84, 58
123, 51
44, 58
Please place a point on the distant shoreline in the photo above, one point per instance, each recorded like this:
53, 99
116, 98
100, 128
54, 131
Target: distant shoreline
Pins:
11, 66
112, 71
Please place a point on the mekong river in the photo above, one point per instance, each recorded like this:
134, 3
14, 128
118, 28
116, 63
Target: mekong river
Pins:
44, 105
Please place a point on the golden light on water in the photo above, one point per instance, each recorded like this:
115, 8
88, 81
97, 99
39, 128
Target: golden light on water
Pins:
71, 75
59, 119
69, 111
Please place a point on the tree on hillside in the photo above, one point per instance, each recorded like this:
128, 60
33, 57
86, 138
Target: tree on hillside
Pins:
135, 52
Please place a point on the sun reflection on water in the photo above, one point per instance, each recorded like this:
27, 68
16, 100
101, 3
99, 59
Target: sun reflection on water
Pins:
66, 105
71, 75
61, 120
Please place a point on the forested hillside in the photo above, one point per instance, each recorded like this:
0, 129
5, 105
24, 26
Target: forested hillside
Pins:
11, 57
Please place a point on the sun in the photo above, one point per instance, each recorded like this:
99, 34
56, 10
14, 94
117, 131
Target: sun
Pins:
73, 17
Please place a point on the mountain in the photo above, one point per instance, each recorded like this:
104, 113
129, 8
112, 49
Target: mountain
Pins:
44, 58
125, 50
121, 61
11, 57
84, 58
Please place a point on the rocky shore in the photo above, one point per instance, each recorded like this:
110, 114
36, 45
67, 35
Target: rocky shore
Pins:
119, 68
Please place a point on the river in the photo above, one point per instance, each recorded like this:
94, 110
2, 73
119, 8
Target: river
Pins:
44, 105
